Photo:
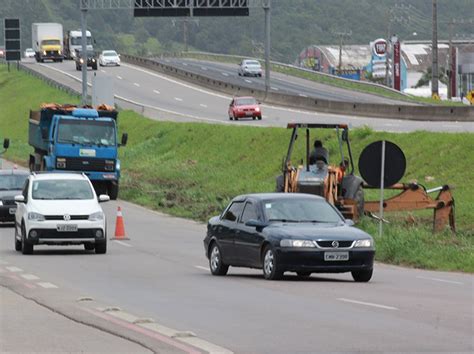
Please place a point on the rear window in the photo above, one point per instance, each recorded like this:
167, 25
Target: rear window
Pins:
245, 101
12, 182
252, 62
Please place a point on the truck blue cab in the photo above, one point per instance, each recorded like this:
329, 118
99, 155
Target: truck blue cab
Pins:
66, 138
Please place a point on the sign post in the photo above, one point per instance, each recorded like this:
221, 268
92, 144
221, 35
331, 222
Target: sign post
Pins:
382, 177
12, 40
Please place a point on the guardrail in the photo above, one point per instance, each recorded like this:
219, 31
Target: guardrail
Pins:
294, 67
404, 112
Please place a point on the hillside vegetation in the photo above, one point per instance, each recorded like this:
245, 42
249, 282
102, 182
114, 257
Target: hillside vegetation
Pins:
295, 25
192, 170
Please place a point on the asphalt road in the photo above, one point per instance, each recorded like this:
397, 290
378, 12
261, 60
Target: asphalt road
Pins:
161, 273
160, 97
279, 83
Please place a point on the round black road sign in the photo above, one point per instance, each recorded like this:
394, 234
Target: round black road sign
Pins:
370, 163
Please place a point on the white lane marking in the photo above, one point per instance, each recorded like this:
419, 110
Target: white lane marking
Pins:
178, 99
136, 84
157, 92
368, 304
204, 68
185, 64
248, 81
450, 126
274, 88
119, 77
201, 267
102, 70
3, 262
14, 269
441, 280
123, 243
203, 105
225, 74
302, 95
392, 124
29, 276
47, 285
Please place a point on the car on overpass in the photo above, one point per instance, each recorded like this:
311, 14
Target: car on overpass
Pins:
29, 53
244, 107
109, 57
2, 52
60, 209
279, 232
11, 184
250, 67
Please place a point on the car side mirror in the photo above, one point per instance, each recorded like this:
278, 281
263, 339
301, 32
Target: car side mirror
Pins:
256, 223
6, 143
19, 198
103, 198
349, 222
124, 139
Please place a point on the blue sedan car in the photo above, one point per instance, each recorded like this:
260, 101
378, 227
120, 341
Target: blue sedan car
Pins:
280, 232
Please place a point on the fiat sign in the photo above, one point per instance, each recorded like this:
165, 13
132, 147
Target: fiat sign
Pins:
380, 47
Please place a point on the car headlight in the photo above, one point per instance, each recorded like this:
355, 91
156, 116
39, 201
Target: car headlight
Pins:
81, 60
363, 243
59, 51
1, 203
35, 216
297, 243
93, 60
44, 52
97, 216
257, 109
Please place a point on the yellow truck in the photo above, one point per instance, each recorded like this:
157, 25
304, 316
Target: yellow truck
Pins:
47, 41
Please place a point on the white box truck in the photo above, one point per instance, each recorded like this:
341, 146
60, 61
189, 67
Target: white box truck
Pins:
47, 41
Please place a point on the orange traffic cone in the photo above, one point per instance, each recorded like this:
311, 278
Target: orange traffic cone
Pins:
119, 228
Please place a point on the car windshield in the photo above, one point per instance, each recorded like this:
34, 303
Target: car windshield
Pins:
12, 182
245, 101
51, 42
62, 189
109, 54
78, 40
252, 63
29, 50
86, 132
300, 210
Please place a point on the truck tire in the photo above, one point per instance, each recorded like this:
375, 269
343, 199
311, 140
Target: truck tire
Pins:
113, 190
94, 67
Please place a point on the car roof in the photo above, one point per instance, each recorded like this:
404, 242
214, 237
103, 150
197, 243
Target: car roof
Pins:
52, 175
280, 196
14, 172
109, 50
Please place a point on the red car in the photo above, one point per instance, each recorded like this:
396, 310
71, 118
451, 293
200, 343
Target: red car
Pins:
244, 107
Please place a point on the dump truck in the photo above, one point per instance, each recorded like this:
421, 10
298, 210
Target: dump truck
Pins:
70, 138
47, 41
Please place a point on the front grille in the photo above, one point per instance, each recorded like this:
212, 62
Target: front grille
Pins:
52, 233
8, 202
86, 164
61, 217
328, 244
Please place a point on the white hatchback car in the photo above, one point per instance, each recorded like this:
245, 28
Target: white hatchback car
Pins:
250, 67
109, 57
60, 209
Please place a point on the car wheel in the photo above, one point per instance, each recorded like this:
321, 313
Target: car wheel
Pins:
240, 74
113, 190
89, 246
17, 243
94, 67
254, 117
271, 268
101, 248
303, 274
215, 261
259, 117
362, 276
26, 246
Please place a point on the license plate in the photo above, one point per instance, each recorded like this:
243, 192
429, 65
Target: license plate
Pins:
67, 228
249, 113
12, 211
336, 256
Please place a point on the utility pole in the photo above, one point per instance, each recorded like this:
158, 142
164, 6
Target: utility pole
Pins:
451, 74
267, 9
341, 39
185, 34
84, 56
434, 45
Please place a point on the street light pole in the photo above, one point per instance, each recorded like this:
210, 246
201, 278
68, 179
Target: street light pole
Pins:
84, 56
434, 47
267, 9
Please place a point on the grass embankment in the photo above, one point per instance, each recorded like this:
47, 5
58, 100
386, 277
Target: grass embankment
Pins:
193, 169
329, 80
